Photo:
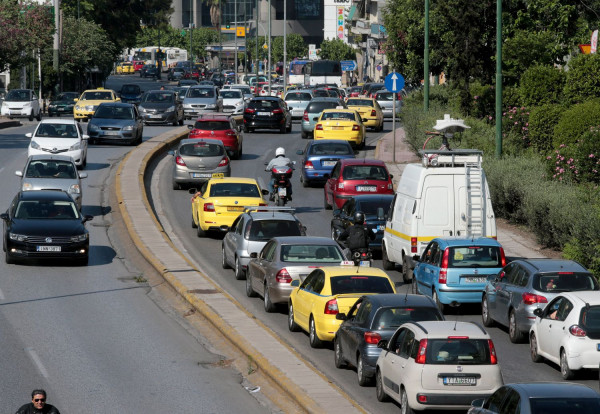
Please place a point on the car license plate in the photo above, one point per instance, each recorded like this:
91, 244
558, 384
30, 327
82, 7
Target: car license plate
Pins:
200, 175
155, 116
48, 248
370, 188
460, 381
329, 163
264, 114
111, 132
365, 263
337, 128
476, 279
282, 191
231, 208
381, 227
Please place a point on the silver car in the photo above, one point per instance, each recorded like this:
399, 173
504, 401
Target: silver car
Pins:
511, 296
252, 230
385, 100
297, 101
116, 122
283, 259
198, 160
52, 172
233, 101
201, 99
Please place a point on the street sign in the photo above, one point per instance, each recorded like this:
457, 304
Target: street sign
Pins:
183, 32
394, 82
378, 67
241, 31
348, 65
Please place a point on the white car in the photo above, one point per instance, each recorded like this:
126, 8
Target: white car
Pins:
59, 136
21, 103
233, 101
246, 91
567, 332
442, 365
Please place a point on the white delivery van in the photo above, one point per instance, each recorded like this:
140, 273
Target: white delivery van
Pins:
446, 195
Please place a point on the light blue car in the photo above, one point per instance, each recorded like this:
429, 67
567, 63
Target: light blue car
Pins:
457, 269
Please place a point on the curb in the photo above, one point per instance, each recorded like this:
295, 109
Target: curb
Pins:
9, 124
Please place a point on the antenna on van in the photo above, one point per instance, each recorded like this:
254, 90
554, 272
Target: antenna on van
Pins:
446, 128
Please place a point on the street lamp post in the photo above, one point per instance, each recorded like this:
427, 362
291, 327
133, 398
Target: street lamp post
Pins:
498, 78
426, 60
284, 46
235, 60
191, 26
269, 59
256, 66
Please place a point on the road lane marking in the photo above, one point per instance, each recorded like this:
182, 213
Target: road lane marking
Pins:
37, 361
2, 295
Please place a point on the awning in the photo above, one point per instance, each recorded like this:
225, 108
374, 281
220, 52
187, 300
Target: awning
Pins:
351, 12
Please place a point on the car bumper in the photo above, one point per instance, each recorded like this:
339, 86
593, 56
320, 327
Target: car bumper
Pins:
192, 113
583, 353
120, 137
308, 127
29, 250
17, 113
280, 293
273, 123
340, 199
460, 295
165, 117
77, 155
446, 401
354, 138
78, 114
193, 177
388, 113
297, 113
326, 327
371, 122
58, 111
316, 175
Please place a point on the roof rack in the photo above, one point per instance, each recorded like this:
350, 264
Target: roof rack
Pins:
270, 209
450, 158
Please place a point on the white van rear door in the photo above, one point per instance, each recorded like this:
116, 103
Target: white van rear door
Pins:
460, 203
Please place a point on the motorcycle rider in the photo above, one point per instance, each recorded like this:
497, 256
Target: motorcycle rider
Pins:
279, 160
357, 236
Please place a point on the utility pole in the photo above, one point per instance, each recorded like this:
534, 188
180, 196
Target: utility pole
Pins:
235, 59
269, 59
284, 48
56, 45
191, 26
426, 60
256, 66
498, 78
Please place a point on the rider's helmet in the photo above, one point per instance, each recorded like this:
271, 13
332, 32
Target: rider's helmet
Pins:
280, 152
359, 217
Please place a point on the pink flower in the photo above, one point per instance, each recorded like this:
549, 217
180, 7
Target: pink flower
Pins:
475, 97
562, 145
490, 117
591, 155
548, 157
515, 121
562, 170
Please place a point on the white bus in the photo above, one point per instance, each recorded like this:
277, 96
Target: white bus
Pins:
320, 72
170, 56
296, 72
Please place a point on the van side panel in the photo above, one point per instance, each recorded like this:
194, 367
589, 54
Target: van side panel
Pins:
460, 203
436, 213
393, 239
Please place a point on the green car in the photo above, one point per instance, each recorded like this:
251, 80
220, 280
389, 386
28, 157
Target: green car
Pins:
63, 104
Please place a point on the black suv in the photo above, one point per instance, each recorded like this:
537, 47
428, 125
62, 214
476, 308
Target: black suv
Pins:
267, 112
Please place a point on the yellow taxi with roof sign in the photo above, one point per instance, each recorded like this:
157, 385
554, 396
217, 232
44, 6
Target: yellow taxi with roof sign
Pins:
329, 291
369, 111
341, 124
86, 105
124, 68
221, 200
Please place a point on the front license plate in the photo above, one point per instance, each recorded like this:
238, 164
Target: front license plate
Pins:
264, 114
460, 381
200, 175
480, 279
111, 132
48, 248
381, 227
329, 163
282, 191
155, 116
235, 208
370, 188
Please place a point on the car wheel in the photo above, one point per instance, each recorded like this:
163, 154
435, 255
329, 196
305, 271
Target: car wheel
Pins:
533, 349
326, 205
406, 272
269, 306
175, 121
404, 409
31, 116
338, 356
387, 264
485, 313
39, 116
239, 270
282, 129
363, 379
314, 340
381, 395
304, 182
249, 290
84, 163
566, 372
50, 114
439, 304
200, 232
224, 264
304, 135
289, 128
514, 334
414, 286
292, 326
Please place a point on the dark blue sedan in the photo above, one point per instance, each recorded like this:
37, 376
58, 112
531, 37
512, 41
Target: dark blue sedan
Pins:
319, 158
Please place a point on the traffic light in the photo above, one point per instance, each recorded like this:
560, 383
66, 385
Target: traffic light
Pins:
227, 26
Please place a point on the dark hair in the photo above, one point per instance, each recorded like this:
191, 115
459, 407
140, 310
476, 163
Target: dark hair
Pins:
38, 392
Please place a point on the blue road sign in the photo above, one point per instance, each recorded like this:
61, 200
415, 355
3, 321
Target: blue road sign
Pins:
394, 82
348, 65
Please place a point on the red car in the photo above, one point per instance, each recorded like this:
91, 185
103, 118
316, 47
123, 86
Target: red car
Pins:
221, 127
352, 176
354, 91
193, 74
137, 65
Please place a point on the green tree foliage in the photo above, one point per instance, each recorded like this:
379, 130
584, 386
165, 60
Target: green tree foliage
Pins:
262, 52
542, 121
336, 49
541, 84
583, 81
295, 45
524, 49
575, 121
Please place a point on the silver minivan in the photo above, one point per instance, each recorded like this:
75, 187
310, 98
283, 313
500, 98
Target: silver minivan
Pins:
297, 101
201, 99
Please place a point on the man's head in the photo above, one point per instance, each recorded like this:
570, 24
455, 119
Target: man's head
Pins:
38, 398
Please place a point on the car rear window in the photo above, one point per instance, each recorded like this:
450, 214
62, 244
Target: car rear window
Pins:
564, 282
371, 207
298, 96
589, 320
388, 318
321, 93
365, 172
461, 351
202, 149
305, 253
318, 107
130, 89
231, 94
360, 284
564, 405
330, 149
212, 125
267, 105
339, 115
234, 190
359, 102
474, 257
263, 230
385, 96
51, 169
114, 112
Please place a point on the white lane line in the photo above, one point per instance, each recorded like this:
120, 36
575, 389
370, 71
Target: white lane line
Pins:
1, 295
37, 361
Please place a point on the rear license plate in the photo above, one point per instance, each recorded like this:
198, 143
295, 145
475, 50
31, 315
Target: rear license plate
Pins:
460, 381
329, 163
337, 128
381, 227
235, 208
48, 248
370, 188
200, 175
365, 263
264, 114
111, 132
474, 279
282, 191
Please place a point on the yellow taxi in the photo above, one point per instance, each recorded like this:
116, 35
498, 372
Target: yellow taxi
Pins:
369, 110
221, 200
124, 68
342, 124
89, 100
314, 304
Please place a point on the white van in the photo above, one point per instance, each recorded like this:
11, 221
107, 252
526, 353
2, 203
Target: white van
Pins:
447, 195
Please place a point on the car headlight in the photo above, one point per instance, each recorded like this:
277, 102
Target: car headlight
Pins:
75, 146
17, 237
210, 106
51, 106
128, 128
74, 189
170, 109
89, 108
93, 128
34, 145
27, 187
188, 106
79, 238
142, 109
26, 104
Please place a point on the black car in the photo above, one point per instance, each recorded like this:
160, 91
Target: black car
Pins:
149, 71
374, 318
375, 208
267, 112
63, 104
176, 74
131, 93
45, 224
161, 107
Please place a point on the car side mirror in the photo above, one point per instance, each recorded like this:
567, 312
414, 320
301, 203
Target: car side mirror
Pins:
87, 217
295, 283
190, 127
416, 258
382, 344
171, 152
380, 214
4, 216
340, 316
538, 312
76, 100
253, 255
29, 135
192, 191
391, 176
83, 175
19, 173
85, 137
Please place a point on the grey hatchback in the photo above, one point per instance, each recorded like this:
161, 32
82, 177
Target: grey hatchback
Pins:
198, 160
511, 296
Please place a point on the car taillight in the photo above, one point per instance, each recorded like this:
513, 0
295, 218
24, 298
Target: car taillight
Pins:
576, 330
493, 356
249, 111
230, 133
319, 127
305, 116
309, 165
413, 244
531, 298
372, 338
179, 161
277, 111
502, 257
331, 307
283, 276
355, 128
262, 204
421, 353
373, 112
209, 207
224, 162
390, 185
442, 278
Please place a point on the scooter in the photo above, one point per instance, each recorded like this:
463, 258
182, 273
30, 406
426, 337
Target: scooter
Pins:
361, 256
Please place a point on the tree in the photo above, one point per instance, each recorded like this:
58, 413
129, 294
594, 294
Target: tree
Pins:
336, 49
262, 52
295, 45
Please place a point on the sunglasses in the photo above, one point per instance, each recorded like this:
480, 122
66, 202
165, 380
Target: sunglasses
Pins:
40, 400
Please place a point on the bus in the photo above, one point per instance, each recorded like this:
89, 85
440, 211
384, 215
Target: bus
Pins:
318, 72
296, 72
170, 56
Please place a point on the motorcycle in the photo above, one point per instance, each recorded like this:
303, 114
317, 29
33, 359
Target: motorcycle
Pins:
282, 185
361, 256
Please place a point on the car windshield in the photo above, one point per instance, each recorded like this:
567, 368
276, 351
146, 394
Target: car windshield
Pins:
234, 190
359, 102
474, 256
114, 112
318, 107
360, 284
392, 318
56, 131
50, 169
67, 96
212, 125
453, 351
130, 89
338, 115
564, 282
298, 96
18, 95
365, 172
263, 230
97, 96
331, 149
200, 93
231, 94
370, 207
202, 149
35, 210
564, 405
305, 253
159, 97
